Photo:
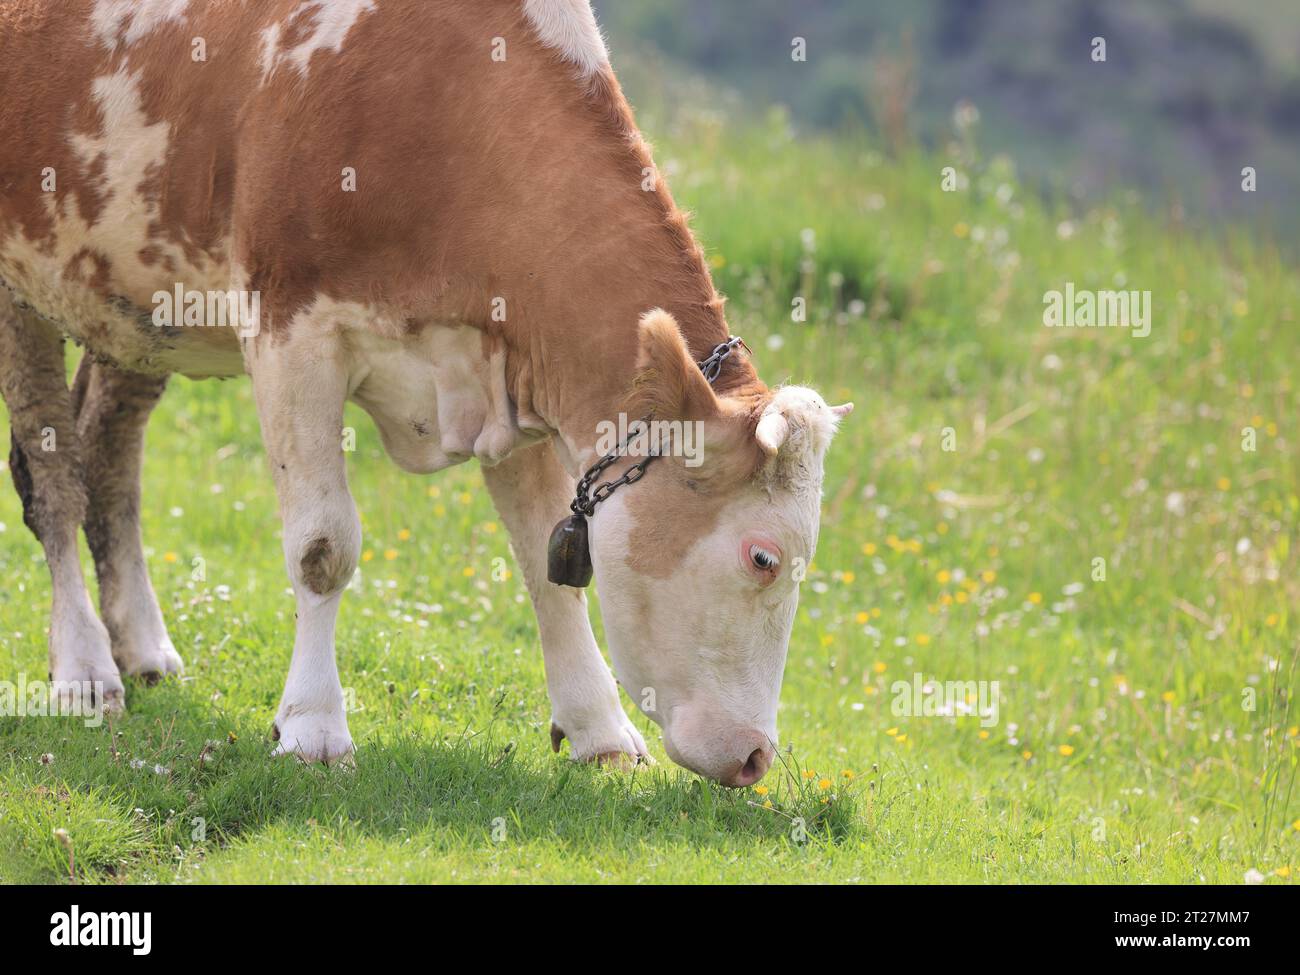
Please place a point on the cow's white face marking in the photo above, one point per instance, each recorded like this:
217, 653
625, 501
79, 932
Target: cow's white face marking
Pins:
139, 17
331, 21
569, 26
702, 650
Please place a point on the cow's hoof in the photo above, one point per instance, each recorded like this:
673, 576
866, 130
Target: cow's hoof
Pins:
312, 738
84, 690
617, 743
151, 665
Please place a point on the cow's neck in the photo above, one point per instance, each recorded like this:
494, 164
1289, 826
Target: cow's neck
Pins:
618, 251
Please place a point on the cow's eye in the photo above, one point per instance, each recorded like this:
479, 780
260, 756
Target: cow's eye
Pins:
763, 560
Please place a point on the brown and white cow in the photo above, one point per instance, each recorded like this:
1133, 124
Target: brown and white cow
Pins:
449, 217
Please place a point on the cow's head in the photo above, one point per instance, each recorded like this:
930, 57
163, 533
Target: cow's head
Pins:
698, 564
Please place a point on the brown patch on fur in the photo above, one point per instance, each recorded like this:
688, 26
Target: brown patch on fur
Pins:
324, 568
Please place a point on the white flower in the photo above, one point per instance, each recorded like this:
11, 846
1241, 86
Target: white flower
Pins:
1253, 877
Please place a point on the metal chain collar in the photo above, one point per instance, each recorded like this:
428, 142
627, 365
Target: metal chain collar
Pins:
585, 504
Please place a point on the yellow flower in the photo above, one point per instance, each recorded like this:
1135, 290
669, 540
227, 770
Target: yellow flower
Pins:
767, 804
169, 556
1271, 619
809, 773
875, 612
922, 639
390, 554
942, 528
862, 617
439, 510
943, 575
1066, 750
824, 784
827, 639
879, 666
1026, 755
1223, 484
892, 732
847, 774
1168, 697
901, 738
945, 599
848, 578
717, 261
988, 575
984, 736
490, 527
1283, 871
367, 555
1293, 731
869, 548
467, 571
960, 231
435, 491
465, 497
762, 790
1296, 826
914, 545
1035, 598
962, 596
404, 535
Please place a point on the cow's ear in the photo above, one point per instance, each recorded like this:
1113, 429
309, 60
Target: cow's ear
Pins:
668, 383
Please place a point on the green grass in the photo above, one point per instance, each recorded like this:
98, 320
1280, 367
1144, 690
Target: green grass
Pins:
1122, 754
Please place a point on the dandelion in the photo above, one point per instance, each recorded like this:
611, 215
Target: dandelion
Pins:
1026, 754
901, 738
809, 773
862, 617
824, 784
875, 612
1271, 619
762, 790
922, 639
390, 554
367, 555
1168, 697
848, 774
767, 804
944, 576
879, 667
989, 576
465, 497
1223, 483
435, 491
169, 556
892, 732
1035, 598
984, 736
404, 535
1066, 750
961, 231
1283, 871
467, 571
962, 596
848, 578
869, 548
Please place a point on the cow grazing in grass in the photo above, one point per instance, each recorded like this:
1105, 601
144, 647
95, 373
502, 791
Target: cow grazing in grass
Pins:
446, 214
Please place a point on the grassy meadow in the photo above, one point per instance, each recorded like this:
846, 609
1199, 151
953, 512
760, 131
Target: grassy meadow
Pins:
1145, 730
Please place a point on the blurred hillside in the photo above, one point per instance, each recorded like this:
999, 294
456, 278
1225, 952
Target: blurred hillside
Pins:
1190, 92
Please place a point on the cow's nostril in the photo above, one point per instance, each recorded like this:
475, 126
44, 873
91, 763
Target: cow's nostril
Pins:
755, 768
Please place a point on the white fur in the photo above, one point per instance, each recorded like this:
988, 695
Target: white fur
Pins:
130, 148
569, 27
139, 17
331, 21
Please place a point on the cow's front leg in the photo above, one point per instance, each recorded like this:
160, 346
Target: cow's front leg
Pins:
300, 384
531, 492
